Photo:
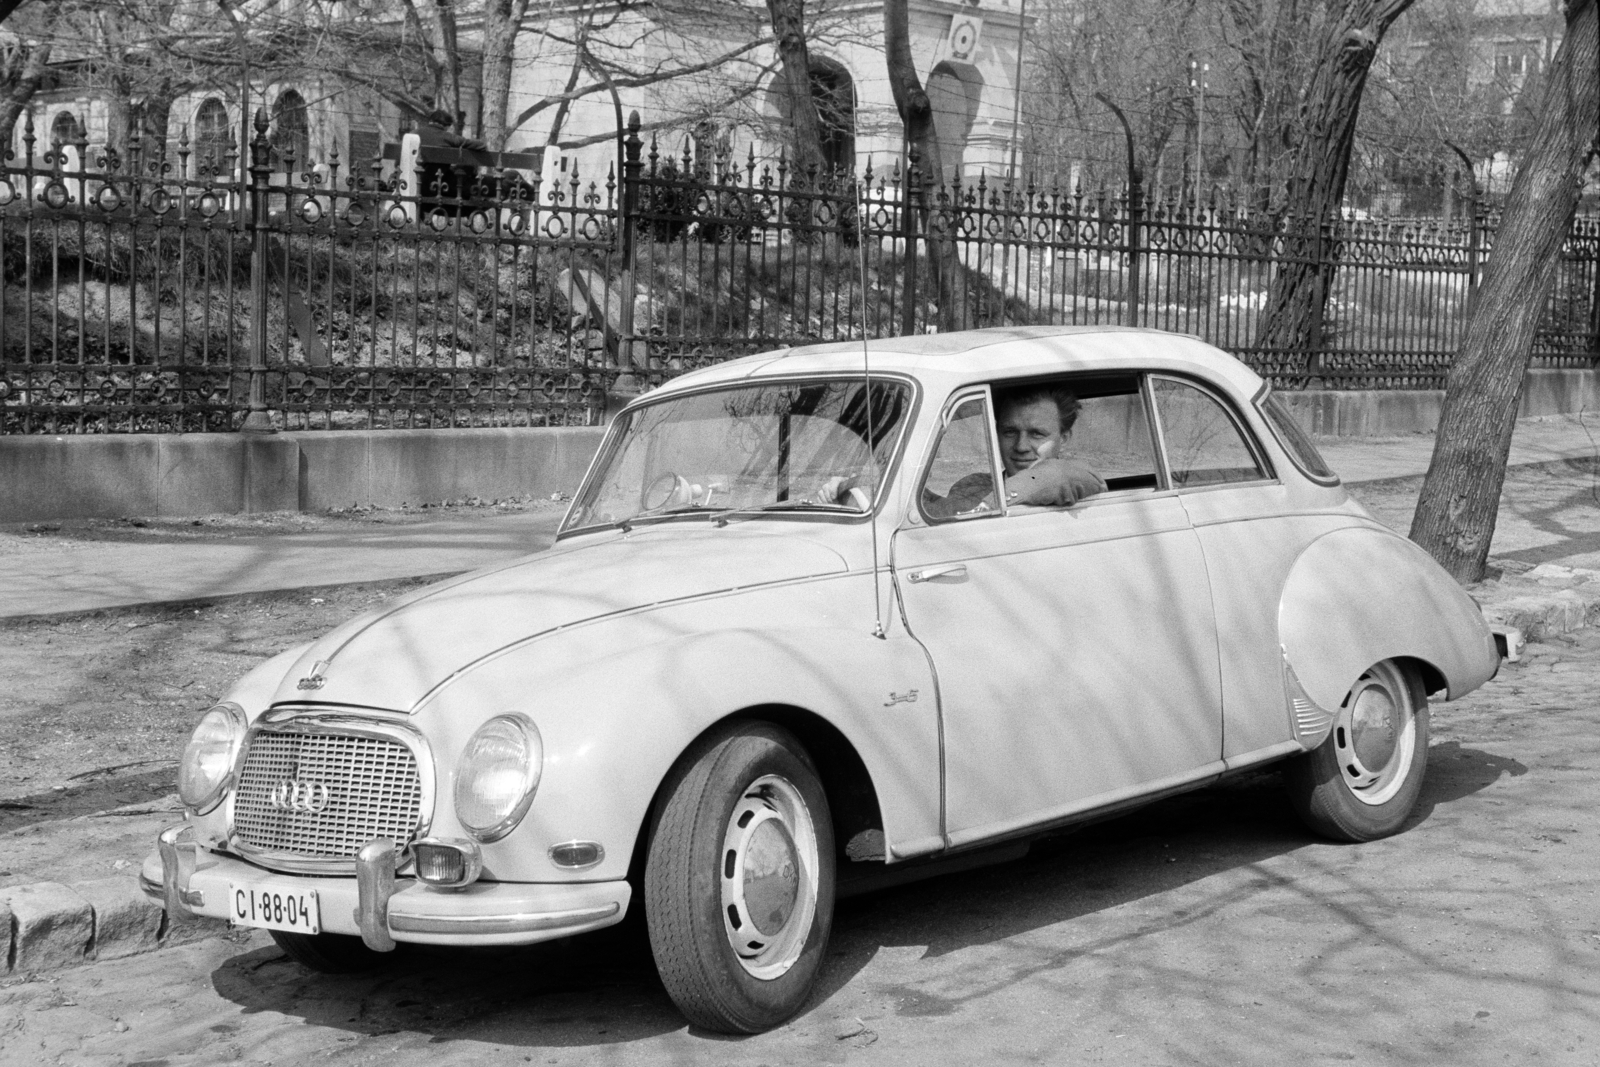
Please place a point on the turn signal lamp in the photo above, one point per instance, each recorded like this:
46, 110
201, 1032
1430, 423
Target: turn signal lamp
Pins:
446, 862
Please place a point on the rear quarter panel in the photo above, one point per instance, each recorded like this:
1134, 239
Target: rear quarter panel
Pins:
1362, 594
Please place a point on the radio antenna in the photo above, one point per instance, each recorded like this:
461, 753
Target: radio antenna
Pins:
866, 370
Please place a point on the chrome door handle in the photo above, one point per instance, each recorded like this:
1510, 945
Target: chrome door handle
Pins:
947, 570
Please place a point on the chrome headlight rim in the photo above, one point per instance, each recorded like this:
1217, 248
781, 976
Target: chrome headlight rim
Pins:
533, 771
238, 726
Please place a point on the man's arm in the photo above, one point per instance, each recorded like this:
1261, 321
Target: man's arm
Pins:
1053, 483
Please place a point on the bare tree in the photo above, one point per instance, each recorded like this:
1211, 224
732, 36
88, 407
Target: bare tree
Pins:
1455, 516
916, 116
805, 125
1268, 40
502, 21
25, 48
1318, 168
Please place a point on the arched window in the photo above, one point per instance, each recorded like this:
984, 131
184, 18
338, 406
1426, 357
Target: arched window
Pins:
835, 93
954, 96
213, 137
64, 128
291, 132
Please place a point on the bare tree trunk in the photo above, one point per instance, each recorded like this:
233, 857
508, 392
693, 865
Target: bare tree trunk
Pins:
916, 115
502, 19
1456, 512
16, 93
805, 126
1318, 168
155, 120
119, 117
448, 47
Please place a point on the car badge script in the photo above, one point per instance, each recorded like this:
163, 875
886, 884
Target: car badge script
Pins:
289, 794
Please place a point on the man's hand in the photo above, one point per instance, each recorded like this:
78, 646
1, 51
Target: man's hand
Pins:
1053, 483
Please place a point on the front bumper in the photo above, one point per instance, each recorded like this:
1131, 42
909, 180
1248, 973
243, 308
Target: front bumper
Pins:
192, 882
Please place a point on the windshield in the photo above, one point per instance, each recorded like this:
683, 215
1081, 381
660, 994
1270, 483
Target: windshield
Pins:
791, 446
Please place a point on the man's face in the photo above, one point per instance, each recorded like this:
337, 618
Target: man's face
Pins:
1028, 433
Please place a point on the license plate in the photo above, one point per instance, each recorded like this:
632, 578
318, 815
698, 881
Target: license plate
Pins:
274, 909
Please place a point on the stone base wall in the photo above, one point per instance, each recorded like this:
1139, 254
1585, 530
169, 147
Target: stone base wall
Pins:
1374, 413
111, 475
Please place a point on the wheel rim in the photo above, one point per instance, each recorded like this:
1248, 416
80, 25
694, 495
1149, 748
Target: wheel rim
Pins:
769, 876
1376, 735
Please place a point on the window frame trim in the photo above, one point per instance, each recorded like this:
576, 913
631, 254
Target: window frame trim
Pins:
961, 395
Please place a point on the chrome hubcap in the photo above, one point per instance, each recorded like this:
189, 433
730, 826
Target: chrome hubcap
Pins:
769, 877
1375, 735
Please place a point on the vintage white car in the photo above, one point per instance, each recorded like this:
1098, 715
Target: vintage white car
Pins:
823, 614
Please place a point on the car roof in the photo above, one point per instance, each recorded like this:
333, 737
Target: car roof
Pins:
949, 360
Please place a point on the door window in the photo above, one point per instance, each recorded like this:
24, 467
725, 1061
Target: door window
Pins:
1204, 444
960, 483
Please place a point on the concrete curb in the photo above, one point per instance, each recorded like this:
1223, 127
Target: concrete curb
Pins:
1547, 600
45, 926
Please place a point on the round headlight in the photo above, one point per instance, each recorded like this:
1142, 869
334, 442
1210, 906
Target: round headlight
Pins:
207, 768
497, 775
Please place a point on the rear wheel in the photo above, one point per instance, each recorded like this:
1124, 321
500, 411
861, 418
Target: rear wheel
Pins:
328, 953
739, 881
1363, 780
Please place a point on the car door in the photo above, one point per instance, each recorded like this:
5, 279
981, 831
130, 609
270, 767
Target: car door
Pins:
1251, 535
1074, 647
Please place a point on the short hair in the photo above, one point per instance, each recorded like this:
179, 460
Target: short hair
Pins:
1065, 400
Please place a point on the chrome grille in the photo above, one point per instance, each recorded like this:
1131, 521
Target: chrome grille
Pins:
373, 790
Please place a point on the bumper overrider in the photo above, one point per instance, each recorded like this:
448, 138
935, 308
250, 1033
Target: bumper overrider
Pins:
380, 907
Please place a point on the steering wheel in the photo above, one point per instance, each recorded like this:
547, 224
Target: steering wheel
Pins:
662, 490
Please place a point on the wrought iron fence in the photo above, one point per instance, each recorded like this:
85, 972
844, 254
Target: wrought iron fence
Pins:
163, 292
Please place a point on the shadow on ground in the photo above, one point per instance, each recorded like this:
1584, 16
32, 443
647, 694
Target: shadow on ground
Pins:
602, 988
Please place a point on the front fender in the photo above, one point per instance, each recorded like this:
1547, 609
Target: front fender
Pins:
1359, 595
616, 704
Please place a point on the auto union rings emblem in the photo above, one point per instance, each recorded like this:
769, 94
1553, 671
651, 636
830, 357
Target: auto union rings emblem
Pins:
288, 794
315, 679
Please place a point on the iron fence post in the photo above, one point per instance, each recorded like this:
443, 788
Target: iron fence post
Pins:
1474, 240
908, 225
627, 385
1325, 269
1135, 246
256, 419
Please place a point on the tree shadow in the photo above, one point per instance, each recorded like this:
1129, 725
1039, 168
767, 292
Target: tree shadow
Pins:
602, 989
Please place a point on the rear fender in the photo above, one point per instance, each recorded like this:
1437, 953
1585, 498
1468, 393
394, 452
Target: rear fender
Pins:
1360, 595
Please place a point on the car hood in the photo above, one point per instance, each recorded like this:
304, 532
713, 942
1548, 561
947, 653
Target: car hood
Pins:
394, 657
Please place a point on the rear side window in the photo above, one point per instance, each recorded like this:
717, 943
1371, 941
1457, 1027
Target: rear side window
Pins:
1295, 440
1204, 445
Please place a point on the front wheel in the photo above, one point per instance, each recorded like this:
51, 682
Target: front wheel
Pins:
1363, 780
739, 880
